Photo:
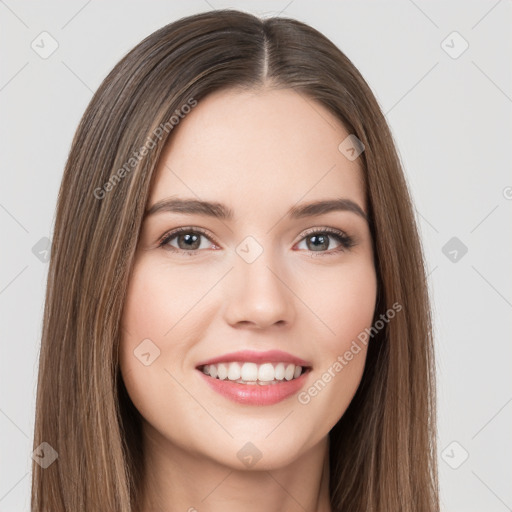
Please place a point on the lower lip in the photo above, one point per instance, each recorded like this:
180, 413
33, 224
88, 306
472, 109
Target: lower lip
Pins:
256, 394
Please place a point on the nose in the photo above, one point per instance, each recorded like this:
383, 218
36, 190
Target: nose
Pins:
259, 294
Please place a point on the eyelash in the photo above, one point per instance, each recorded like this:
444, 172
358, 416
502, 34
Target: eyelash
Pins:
346, 241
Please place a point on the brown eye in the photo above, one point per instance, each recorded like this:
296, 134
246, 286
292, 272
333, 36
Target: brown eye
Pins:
186, 240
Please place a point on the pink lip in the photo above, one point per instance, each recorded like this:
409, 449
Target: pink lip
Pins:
256, 394
251, 356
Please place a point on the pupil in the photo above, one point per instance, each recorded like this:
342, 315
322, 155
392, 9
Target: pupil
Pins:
190, 240
324, 241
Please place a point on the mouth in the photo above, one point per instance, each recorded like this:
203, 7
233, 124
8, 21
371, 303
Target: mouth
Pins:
250, 373
270, 390
255, 378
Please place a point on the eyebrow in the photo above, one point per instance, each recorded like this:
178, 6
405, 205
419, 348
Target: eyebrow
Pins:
220, 211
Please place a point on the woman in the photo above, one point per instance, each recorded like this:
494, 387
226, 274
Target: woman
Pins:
237, 312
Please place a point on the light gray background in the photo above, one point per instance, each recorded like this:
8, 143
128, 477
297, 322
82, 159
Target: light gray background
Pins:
451, 121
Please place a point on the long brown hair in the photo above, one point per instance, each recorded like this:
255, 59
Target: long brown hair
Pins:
382, 450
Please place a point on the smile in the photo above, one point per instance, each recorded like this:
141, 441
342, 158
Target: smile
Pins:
251, 373
263, 384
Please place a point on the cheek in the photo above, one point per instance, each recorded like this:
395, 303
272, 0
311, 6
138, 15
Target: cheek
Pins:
149, 299
346, 305
162, 312
143, 354
160, 302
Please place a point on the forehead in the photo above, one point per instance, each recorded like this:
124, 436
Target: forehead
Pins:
266, 148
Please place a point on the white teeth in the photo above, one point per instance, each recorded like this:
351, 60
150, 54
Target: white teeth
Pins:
252, 373
249, 372
279, 371
222, 371
266, 372
233, 371
288, 373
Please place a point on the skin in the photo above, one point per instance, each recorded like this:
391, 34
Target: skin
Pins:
259, 152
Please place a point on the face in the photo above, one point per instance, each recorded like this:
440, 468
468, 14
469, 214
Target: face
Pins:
253, 295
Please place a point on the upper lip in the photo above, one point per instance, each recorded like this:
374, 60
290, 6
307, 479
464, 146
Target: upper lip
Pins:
271, 356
